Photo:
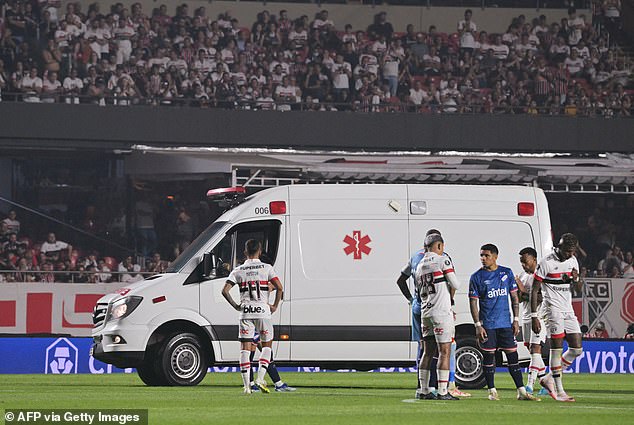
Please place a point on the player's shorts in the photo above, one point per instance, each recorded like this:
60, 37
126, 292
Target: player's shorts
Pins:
558, 324
501, 338
248, 327
530, 337
441, 327
416, 326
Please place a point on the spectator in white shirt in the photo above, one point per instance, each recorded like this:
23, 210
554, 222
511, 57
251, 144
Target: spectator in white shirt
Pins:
467, 32
52, 249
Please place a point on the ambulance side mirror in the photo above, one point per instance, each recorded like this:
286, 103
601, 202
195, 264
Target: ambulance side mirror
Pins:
209, 271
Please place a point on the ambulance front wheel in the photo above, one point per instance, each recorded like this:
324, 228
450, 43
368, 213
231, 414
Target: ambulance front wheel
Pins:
469, 363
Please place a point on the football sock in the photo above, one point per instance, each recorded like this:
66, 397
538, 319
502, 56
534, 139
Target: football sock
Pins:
423, 378
443, 381
419, 355
433, 376
569, 356
272, 370
536, 369
489, 368
265, 359
452, 363
555, 368
245, 367
251, 357
514, 368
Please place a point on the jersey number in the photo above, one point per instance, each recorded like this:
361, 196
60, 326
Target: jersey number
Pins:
427, 286
254, 290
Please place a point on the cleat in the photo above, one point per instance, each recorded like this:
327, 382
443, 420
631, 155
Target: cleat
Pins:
529, 389
446, 397
254, 388
548, 384
457, 393
284, 388
565, 398
419, 395
493, 395
430, 396
528, 397
262, 386
543, 391
247, 391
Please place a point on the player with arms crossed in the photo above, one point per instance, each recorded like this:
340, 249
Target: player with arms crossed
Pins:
533, 341
436, 283
489, 291
554, 276
255, 279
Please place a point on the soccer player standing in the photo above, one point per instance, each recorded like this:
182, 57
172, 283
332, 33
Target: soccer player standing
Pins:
436, 282
489, 291
255, 279
554, 276
533, 341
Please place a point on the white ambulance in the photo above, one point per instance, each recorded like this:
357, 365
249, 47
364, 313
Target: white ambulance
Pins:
338, 250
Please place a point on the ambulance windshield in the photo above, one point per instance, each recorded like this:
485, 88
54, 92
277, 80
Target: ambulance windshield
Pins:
195, 246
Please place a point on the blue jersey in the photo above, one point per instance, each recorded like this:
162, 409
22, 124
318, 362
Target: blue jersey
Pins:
493, 289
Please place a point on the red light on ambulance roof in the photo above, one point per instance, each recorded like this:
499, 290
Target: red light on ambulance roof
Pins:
526, 209
225, 191
277, 207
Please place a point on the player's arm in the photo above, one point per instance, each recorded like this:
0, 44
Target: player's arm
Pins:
535, 294
402, 285
279, 293
480, 332
515, 304
577, 282
225, 293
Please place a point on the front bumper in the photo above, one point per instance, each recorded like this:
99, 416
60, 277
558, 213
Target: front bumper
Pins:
119, 344
120, 359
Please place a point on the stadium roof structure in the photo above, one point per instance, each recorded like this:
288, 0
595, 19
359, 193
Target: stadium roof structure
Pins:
607, 173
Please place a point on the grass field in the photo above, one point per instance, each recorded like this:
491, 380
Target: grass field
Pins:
323, 399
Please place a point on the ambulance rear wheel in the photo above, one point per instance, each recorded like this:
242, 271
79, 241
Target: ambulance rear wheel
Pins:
469, 363
183, 359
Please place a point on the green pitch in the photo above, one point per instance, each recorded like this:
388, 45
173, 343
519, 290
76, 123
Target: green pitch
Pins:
322, 399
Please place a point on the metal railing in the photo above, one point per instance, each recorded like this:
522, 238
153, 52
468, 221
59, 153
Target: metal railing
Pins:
71, 276
391, 106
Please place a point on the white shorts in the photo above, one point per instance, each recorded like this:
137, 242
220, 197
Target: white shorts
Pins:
558, 324
248, 327
442, 328
530, 337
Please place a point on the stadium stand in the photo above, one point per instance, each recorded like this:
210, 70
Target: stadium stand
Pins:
127, 56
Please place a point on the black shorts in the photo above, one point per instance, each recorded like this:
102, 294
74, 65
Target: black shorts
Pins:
501, 338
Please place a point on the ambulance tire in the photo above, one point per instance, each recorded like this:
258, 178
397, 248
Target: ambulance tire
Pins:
183, 359
469, 363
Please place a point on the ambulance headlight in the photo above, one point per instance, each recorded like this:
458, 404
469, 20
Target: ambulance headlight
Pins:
124, 307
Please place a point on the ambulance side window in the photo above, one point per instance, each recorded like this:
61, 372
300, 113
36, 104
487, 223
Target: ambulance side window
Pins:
231, 249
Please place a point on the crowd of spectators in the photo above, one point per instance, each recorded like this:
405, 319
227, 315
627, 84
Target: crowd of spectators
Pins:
126, 56
53, 260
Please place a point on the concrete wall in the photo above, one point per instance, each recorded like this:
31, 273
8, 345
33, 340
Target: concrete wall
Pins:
359, 16
48, 126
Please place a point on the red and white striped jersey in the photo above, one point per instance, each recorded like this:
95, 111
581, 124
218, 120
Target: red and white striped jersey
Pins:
556, 276
253, 279
527, 281
434, 274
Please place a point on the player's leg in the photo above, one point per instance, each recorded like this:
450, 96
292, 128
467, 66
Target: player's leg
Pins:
488, 347
417, 336
557, 333
573, 337
508, 344
429, 351
453, 389
253, 348
443, 332
246, 332
265, 329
